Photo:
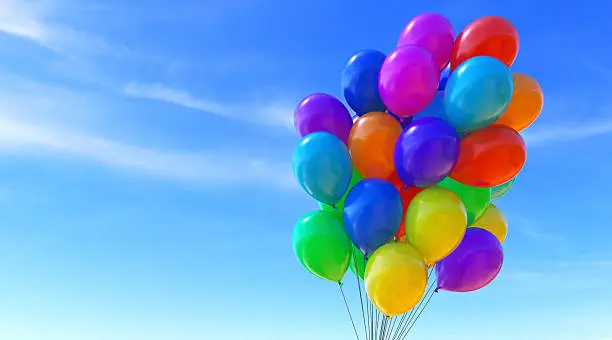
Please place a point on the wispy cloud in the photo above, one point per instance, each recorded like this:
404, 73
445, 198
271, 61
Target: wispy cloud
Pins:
38, 120
547, 135
273, 114
532, 229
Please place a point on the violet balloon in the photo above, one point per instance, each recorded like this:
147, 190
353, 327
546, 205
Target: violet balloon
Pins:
433, 32
426, 152
322, 112
408, 80
473, 265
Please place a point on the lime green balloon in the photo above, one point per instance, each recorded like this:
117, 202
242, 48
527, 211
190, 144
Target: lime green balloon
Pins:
322, 245
355, 178
502, 189
358, 263
476, 200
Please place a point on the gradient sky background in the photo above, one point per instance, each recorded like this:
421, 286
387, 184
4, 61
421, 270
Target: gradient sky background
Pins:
145, 183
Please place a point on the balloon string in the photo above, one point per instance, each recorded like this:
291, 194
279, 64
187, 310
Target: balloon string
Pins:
385, 327
371, 319
421, 312
348, 310
404, 323
365, 331
392, 324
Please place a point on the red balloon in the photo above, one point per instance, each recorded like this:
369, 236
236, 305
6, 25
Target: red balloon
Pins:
491, 36
489, 157
407, 193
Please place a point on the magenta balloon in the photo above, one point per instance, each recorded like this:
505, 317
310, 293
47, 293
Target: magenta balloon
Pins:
408, 80
434, 33
322, 112
473, 265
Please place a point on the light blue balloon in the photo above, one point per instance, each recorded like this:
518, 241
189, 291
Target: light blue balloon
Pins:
435, 109
502, 189
322, 165
477, 93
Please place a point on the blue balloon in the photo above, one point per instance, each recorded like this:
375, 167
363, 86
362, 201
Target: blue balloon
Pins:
372, 214
322, 165
360, 82
477, 93
444, 78
426, 152
404, 121
435, 109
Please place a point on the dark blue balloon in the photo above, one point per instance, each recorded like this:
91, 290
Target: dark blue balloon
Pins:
446, 73
360, 82
426, 152
372, 214
404, 121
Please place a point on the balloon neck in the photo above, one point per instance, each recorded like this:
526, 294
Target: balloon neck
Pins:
437, 290
388, 317
365, 257
402, 119
340, 284
405, 186
334, 207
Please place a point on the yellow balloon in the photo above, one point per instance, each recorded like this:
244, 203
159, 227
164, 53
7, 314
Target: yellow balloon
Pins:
395, 278
494, 221
436, 221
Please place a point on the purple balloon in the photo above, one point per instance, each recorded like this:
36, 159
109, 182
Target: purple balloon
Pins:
322, 112
473, 265
408, 80
426, 152
433, 32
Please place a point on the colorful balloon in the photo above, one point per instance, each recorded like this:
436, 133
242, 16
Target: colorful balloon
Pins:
360, 81
435, 109
500, 190
526, 104
491, 36
489, 157
446, 73
477, 93
435, 223
322, 166
395, 278
322, 112
372, 214
322, 246
473, 265
426, 152
339, 207
495, 222
358, 263
434, 33
476, 200
408, 80
372, 142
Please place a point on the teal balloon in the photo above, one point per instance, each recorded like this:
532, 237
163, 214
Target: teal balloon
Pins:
322, 246
477, 93
322, 166
502, 189
339, 207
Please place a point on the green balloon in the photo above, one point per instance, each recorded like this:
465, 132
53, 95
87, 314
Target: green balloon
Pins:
476, 200
322, 245
502, 189
355, 178
358, 263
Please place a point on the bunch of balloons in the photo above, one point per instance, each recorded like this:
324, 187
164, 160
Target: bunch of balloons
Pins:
407, 183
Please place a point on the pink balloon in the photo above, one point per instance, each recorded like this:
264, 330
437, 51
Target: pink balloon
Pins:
434, 33
408, 80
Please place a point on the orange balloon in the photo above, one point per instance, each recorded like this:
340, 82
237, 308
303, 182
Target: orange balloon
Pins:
491, 36
526, 104
372, 142
489, 157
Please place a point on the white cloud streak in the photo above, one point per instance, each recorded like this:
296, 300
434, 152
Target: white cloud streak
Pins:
277, 114
545, 136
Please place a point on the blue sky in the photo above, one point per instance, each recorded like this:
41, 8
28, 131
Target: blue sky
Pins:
145, 181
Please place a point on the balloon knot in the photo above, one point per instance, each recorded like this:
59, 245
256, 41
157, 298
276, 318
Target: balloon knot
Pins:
405, 186
341, 284
437, 290
388, 317
365, 257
